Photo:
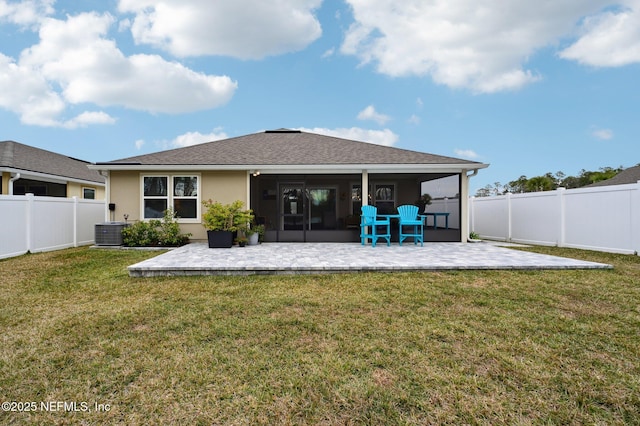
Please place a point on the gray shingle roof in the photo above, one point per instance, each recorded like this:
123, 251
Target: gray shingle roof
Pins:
630, 175
14, 155
287, 147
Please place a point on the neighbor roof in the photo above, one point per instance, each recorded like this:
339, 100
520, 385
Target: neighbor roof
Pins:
18, 157
630, 175
290, 147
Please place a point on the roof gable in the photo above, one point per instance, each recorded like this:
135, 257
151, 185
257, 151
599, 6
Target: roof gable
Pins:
288, 147
14, 155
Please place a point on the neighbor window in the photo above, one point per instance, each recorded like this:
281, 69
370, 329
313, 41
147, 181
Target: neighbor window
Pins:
89, 193
178, 192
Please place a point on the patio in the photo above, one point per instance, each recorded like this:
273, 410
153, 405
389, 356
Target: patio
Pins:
318, 258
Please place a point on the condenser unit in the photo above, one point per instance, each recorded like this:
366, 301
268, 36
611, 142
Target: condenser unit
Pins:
109, 233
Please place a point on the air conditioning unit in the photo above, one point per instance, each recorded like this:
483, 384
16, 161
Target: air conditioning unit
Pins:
109, 233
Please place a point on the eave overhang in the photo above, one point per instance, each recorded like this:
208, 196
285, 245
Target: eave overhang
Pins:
45, 177
294, 168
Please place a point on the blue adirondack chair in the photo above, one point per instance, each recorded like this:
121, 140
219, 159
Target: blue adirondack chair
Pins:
410, 219
369, 220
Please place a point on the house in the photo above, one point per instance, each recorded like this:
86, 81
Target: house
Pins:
301, 186
26, 169
629, 175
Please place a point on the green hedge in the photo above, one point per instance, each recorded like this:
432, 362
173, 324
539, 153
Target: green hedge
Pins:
155, 233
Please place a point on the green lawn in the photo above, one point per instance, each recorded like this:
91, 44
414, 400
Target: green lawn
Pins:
474, 347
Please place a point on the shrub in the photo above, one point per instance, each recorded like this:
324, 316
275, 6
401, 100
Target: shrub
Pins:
165, 232
226, 217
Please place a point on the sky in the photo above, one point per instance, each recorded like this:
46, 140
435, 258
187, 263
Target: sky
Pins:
528, 87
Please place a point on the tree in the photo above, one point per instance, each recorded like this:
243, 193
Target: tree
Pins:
549, 181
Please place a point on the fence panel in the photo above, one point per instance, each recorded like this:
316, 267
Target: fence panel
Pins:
89, 213
600, 219
52, 224
451, 206
37, 224
490, 217
605, 218
13, 231
535, 218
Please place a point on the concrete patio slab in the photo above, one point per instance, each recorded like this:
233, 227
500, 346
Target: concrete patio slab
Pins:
317, 258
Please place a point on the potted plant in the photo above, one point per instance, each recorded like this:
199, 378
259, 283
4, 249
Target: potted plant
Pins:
423, 202
255, 233
242, 241
222, 220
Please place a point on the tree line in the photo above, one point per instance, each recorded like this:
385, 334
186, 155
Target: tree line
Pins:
549, 182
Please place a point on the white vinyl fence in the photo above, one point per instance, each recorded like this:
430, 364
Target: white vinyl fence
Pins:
447, 205
33, 224
605, 218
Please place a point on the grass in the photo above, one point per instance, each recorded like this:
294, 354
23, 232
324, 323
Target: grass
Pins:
468, 347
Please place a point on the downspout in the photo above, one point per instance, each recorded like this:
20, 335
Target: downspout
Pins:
464, 208
11, 180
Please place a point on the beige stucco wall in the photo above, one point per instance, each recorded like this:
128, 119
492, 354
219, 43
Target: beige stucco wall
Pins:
75, 190
125, 192
5, 183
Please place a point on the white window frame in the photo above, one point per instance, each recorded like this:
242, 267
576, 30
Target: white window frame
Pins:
170, 197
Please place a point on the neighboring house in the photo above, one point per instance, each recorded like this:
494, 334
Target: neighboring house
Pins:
302, 186
629, 175
25, 169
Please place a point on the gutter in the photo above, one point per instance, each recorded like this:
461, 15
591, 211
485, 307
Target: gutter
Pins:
11, 180
295, 168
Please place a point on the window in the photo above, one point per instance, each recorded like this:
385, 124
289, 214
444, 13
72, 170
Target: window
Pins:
382, 195
88, 193
178, 192
385, 198
185, 196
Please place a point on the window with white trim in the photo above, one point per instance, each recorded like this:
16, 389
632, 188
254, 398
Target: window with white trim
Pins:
178, 192
88, 193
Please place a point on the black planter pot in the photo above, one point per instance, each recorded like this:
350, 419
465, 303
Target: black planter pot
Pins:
220, 239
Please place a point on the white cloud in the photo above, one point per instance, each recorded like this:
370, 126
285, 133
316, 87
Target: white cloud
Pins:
609, 39
329, 53
27, 93
414, 119
88, 118
482, 45
381, 137
26, 12
602, 134
74, 63
139, 144
466, 153
244, 29
370, 113
195, 138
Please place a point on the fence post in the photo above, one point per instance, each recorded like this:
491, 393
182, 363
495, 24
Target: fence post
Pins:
75, 221
562, 216
471, 217
509, 231
635, 220
29, 222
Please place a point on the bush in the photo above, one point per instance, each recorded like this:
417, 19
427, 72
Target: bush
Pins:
226, 217
155, 233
